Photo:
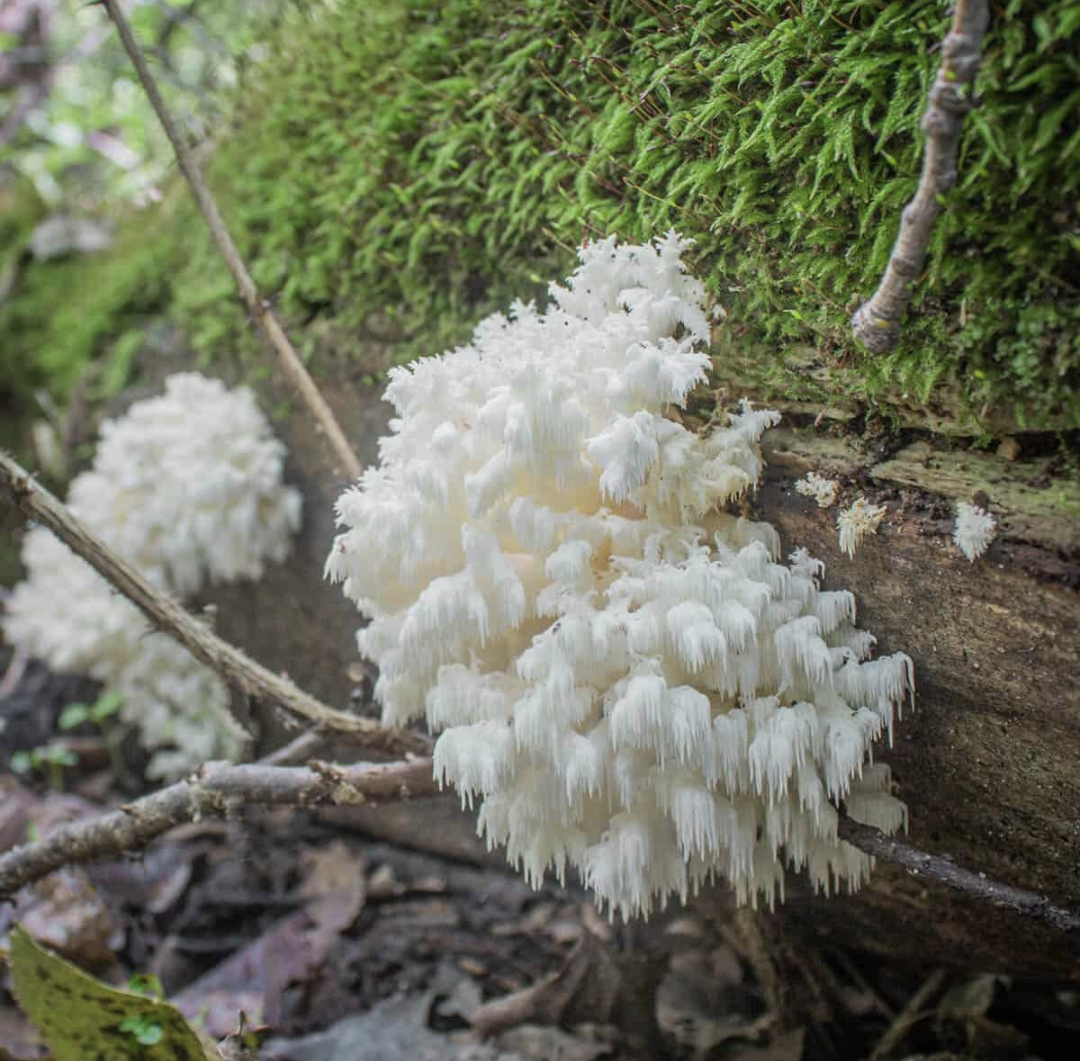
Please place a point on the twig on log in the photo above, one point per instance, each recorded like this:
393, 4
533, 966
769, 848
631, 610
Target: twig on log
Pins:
977, 885
238, 670
259, 309
303, 748
215, 789
876, 323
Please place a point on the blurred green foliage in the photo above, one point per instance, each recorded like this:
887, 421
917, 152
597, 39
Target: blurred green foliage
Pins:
93, 148
94, 140
423, 161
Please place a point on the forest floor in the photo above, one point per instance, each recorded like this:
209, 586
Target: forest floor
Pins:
342, 946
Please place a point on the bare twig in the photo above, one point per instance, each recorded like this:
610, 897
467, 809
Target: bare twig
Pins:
977, 885
260, 310
303, 748
876, 324
215, 789
320, 744
913, 1012
239, 671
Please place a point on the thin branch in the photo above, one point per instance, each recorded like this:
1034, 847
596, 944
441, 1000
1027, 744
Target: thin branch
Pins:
876, 324
260, 310
239, 670
976, 885
216, 789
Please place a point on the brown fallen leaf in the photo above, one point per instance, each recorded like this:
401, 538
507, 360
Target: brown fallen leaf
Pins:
788, 1046
65, 912
702, 1002
531, 1042
250, 981
334, 868
155, 881
595, 923
20, 809
254, 979
336, 884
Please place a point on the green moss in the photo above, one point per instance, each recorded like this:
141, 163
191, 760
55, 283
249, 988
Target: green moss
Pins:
70, 316
433, 159
414, 164
20, 210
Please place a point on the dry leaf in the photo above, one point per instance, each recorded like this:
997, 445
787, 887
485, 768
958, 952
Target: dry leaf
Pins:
254, 980
65, 912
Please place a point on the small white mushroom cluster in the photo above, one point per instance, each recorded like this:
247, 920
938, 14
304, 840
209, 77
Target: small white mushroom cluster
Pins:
856, 522
188, 487
622, 672
974, 530
823, 491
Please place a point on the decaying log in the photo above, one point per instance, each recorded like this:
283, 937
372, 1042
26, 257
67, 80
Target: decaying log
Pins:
986, 763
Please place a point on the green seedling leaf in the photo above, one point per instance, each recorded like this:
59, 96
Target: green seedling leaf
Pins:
20, 762
58, 755
82, 1020
73, 715
147, 984
144, 1030
106, 705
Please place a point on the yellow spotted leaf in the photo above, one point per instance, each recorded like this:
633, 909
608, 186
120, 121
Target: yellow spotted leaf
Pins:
83, 1020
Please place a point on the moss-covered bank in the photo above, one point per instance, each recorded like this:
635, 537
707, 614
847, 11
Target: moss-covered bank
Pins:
402, 167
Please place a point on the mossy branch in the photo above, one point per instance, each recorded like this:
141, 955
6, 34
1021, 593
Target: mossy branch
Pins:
214, 789
238, 670
260, 310
876, 323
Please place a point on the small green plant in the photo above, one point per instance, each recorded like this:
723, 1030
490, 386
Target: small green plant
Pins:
102, 709
50, 760
142, 1028
147, 984
98, 714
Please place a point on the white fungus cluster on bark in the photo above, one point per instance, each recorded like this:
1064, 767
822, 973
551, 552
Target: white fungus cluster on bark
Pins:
974, 530
623, 673
187, 486
824, 492
856, 522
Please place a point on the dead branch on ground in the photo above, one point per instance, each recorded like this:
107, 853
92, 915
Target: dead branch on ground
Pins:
238, 670
216, 789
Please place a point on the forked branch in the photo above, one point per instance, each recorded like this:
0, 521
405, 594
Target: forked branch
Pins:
876, 323
215, 789
238, 670
259, 309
